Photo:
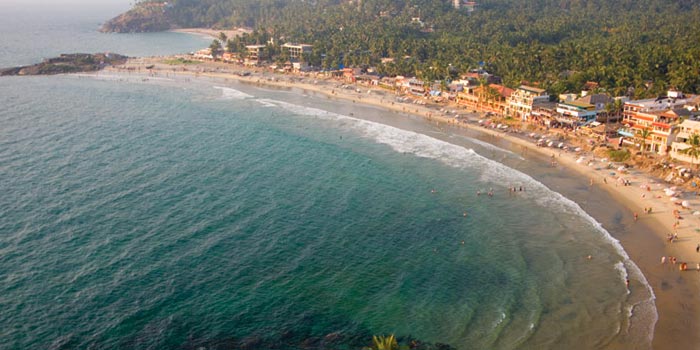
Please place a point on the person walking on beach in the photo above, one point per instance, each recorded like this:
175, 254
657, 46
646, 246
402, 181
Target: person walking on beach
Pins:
697, 248
636, 216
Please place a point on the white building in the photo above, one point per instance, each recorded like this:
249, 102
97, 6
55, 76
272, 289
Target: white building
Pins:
685, 131
522, 100
296, 51
576, 113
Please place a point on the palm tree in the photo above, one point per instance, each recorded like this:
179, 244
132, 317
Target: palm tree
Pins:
693, 151
215, 48
385, 343
643, 135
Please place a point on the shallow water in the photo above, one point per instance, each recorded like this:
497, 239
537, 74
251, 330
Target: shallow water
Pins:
148, 215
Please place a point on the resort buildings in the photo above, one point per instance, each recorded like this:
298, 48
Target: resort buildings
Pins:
523, 99
296, 51
255, 54
650, 121
686, 130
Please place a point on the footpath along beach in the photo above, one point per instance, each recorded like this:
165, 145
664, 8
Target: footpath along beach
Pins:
645, 238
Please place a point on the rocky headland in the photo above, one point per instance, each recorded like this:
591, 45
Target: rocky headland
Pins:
144, 17
68, 63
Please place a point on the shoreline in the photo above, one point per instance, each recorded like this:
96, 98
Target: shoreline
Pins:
211, 33
644, 241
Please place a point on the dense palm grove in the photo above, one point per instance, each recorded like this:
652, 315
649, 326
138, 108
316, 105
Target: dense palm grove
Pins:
647, 45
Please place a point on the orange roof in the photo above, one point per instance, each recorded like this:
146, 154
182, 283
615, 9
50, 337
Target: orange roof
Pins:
669, 114
504, 91
590, 85
642, 117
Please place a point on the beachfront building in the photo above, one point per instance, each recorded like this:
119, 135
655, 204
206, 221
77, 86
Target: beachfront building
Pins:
599, 102
416, 87
467, 6
229, 57
655, 116
685, 131
491, 98
297, 51
575, 113
255, 54
523, 99
203, 54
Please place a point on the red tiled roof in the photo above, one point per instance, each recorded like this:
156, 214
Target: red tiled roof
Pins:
504, 91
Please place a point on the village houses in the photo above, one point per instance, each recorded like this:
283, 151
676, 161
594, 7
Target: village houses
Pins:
655, 117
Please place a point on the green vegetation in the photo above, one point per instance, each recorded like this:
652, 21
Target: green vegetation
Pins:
385, 343
693, 151
620, 155
635, 47
642, 137
180, 61
67, 63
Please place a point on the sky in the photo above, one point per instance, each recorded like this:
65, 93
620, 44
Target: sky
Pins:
116, 6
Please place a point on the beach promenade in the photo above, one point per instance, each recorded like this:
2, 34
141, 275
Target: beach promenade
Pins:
646, 238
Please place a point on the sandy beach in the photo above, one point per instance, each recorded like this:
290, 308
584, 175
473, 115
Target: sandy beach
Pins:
644, 238
212, 33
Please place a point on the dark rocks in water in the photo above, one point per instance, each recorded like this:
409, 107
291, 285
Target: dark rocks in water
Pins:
250, 343
68, 63
332, 337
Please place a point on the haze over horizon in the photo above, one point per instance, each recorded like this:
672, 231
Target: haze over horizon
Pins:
115, 6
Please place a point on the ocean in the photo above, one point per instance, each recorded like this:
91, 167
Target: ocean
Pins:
174, 213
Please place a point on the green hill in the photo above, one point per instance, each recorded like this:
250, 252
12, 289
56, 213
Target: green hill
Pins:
649, 45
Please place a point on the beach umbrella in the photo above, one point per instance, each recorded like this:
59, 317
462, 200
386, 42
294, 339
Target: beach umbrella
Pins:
673, 199
685, 204
696, 213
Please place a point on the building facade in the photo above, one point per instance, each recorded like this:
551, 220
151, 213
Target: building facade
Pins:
523, 99
576, 113
685, 131
655, 117
296, 51
255, 54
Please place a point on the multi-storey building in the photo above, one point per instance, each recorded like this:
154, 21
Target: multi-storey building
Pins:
655, 117
490, 98
255, 54
296, 51
523, 99
686, 130
576, 113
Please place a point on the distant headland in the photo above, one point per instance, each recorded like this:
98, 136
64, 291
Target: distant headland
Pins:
68, 63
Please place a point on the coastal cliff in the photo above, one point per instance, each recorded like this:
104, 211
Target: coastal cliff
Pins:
146, 17
68, 63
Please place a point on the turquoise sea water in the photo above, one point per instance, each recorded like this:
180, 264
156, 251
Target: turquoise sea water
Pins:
180, 213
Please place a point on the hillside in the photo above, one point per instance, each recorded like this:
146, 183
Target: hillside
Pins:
639, 46
144, 17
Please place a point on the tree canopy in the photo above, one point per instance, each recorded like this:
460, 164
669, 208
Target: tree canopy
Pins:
639, 46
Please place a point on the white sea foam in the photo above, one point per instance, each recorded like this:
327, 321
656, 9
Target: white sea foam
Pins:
620, 267
266, 103
492, 172
491, 146
232, 94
